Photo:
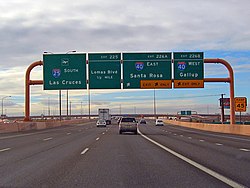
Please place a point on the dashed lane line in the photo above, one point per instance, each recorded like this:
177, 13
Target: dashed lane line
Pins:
243, 149
218, 144
46, 139
5, 149
84, 151
97, 138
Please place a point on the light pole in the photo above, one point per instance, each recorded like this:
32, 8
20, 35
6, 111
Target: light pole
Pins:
89, 102
48, 106
60, 105
3, 105
81, 109
154, 105
70, 109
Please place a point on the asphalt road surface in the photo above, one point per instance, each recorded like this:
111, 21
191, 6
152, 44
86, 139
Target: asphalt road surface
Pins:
88, 156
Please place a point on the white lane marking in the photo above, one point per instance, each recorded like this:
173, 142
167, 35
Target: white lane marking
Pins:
103, 133
201, 140
97, 138
243, 149
68, 133
181, 135
175, 134
84, 151
5, 149
189, 137
166, 131
218, 144
46, 139
195, 164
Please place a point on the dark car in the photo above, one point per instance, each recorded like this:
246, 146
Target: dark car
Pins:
142, 121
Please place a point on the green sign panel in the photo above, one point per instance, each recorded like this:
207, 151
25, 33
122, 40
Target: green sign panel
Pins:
64, 71
147, 70
188, 70
105, 71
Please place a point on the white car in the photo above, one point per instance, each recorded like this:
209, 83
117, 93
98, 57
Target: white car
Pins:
101, 123
159, 122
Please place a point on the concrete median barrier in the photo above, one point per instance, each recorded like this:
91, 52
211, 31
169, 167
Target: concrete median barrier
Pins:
33, 125
222, 128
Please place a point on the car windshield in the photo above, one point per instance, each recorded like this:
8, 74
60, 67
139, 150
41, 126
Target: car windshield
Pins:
128, 120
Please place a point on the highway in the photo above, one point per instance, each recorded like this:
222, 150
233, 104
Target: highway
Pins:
88, 156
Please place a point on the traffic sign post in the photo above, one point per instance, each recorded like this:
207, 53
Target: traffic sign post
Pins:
240, 104
104, 70
147, 70
64, 71
188, 70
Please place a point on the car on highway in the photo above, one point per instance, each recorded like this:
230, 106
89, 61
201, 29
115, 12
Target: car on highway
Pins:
159, 122
128, 124
142, 121
101, 123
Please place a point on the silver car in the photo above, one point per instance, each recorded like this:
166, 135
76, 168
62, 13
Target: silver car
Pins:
127, 124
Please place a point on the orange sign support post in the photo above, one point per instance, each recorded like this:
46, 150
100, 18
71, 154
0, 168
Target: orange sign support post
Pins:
230, 80
29, 82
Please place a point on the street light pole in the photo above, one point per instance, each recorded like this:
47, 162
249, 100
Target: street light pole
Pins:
3, 105
89, 101
154, 105
67, 100
60, 105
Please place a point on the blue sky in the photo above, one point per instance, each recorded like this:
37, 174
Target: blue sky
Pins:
28, 28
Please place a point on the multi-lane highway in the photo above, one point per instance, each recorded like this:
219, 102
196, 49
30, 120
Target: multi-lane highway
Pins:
87, 156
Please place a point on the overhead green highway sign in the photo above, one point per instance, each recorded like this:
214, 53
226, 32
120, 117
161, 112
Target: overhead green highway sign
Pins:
104, 70
147, 70
188, 70
64, 71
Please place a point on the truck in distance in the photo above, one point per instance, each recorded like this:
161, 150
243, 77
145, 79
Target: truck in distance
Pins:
103, 114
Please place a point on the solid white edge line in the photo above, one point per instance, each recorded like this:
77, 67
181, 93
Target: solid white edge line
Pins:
84, 151
5, 149
195, 164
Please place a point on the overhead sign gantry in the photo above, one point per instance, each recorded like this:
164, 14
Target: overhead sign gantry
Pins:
155, 72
